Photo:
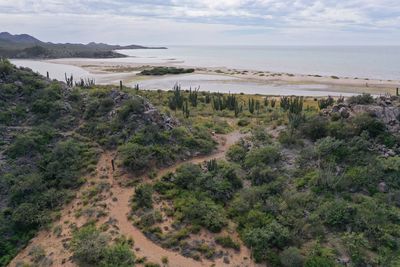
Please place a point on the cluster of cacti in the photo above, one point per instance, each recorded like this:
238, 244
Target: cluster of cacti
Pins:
292, 104
176, 100
268, 102
69, 80
325, 102
340, 99
193, 96
212, 165
221, 102
284, 103
85, 83
136, 87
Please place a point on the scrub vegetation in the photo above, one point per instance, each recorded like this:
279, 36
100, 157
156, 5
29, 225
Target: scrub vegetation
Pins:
309, 182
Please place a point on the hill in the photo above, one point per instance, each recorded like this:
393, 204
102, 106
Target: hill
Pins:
26, 46
293, 182
51, 139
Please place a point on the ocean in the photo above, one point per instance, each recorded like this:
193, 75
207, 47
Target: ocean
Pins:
374, 62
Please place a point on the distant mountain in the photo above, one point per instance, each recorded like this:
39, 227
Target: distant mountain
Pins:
27, 46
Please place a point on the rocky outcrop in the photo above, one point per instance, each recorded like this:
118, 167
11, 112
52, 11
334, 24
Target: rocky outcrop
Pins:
149, 112
386, 109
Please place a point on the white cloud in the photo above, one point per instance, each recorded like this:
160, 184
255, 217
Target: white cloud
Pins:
205, 21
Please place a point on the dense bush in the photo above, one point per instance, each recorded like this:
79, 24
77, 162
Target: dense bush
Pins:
202, 211
90, 246
143, 196
264, 155
166, 70
291, 257
263, 239
363, 99
227, 242
156, 147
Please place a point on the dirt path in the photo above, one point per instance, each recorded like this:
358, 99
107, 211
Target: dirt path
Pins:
117, 202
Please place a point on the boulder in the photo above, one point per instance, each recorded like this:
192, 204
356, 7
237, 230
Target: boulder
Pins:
382, 187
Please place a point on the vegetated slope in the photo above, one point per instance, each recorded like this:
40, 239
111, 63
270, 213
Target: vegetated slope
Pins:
323, 192
26, 46
51, 137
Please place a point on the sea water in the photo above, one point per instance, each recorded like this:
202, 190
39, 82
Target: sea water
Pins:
375, 62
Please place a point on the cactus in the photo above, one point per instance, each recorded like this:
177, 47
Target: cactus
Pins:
207, 98
284, 103
47, 75
85, 83
340, 99
237, 109
185, 109
212, 165
176, 100
324, 103
292, 104
273, 103
397, 92
120, 85
266, 101
257, 107
193, 96
69, 80
251, 105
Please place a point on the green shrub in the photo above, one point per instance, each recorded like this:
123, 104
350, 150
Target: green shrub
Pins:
187, 175
364, 122
291, 257
237, 153
166, 70
264, 155
89, 245
118, 255
261, 240
363, 99
203, 212
315, 127
143, 197
227, 242
318, 261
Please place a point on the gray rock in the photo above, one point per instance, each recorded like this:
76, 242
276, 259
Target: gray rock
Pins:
18, 83
382, 187
226, 260
344, 112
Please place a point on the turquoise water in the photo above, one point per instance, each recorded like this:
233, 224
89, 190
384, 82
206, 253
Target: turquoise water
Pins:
376, 62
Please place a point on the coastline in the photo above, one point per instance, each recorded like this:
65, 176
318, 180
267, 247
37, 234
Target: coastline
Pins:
128, 71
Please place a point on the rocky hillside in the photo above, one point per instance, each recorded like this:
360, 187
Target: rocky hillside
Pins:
26, 46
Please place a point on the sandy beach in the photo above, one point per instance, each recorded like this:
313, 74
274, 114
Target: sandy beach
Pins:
113, 71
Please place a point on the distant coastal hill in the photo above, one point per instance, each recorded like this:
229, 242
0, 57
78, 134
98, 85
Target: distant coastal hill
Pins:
27, 46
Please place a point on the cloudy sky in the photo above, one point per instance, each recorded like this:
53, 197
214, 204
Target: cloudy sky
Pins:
236, 22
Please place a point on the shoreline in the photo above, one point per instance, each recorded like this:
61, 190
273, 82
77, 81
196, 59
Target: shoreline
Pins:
109, 70
107, 67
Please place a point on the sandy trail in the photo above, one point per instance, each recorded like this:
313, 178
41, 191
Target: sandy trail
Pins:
118, 206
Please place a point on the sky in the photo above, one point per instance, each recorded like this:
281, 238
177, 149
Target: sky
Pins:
206, 22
